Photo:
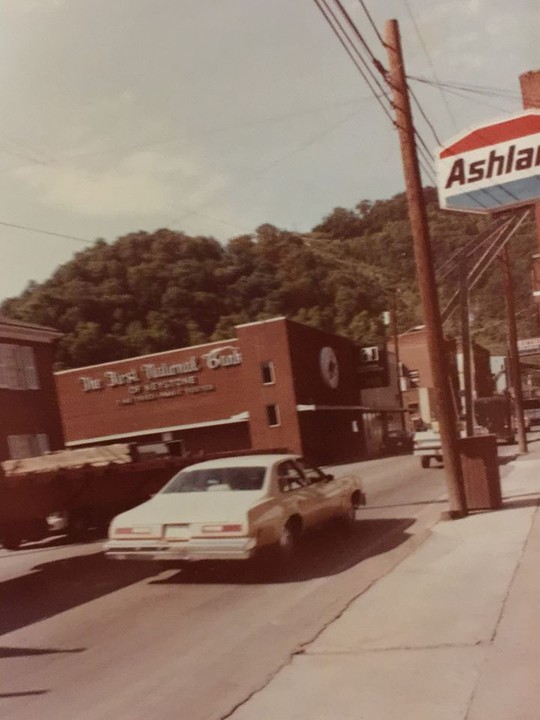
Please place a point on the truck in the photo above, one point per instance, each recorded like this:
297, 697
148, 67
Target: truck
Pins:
531, 412
495, 413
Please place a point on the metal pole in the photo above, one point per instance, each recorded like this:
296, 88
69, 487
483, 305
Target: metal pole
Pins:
426, 274
513, 353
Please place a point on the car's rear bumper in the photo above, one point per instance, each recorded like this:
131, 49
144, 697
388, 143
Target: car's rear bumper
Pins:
188, 551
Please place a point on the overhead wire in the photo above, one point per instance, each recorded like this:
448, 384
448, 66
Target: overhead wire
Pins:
46, 232
432, 66
467, 87
425, 155
372, 22
451, 264
504, 235
458, 93
334, 23
487, 245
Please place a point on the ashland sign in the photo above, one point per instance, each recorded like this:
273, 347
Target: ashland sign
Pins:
493, 167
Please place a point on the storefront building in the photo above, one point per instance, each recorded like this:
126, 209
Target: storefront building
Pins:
276, 384
417, 379
29, 415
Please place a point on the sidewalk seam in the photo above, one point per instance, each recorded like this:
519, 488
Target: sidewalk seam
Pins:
394, 648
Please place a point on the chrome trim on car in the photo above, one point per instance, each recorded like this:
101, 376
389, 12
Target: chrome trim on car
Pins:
192, 550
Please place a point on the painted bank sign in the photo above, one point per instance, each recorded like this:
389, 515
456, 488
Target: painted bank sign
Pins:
153, 381
493, 167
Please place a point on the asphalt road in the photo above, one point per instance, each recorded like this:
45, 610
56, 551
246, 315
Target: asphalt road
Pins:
88, 638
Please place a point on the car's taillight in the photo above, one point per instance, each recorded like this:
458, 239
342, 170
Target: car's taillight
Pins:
221, 528
131, 531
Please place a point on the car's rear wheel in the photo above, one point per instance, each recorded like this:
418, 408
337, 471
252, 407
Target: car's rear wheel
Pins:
425, 461
287, 544
347, 521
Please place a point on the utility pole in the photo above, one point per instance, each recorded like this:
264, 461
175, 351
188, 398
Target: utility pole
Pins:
396, 353
426, 274
513, 352
466, 349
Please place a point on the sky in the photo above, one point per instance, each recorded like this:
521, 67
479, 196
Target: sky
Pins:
215, 116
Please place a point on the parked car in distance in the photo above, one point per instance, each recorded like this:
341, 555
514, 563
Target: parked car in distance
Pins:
231, 508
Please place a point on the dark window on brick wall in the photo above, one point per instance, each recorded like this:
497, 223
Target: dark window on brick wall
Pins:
267, 372
272, 415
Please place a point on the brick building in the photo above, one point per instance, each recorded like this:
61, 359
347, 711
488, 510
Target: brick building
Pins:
418, 395
29, 415
277, 383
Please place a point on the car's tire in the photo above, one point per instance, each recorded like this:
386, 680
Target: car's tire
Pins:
287, 545
425, 460
348, 520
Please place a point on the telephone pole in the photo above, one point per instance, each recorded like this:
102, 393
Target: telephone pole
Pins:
513, 352
426, 274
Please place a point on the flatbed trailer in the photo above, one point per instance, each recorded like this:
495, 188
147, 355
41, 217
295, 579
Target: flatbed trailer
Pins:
88, 489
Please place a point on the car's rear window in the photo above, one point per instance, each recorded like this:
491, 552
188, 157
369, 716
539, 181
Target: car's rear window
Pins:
227, 479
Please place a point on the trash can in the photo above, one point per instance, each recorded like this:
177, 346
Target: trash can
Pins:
480, 465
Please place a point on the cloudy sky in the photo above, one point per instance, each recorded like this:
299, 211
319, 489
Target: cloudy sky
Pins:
215, 116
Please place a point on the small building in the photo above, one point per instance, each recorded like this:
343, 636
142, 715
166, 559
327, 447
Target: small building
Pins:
276, 384
417, 378
30, 421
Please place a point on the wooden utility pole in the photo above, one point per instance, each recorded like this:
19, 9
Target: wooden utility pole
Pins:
426, 274
396, 353
466, 349
513, 352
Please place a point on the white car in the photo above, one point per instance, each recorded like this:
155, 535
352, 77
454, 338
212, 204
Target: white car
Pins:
228, 509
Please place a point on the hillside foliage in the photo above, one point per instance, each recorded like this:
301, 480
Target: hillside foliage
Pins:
147, 292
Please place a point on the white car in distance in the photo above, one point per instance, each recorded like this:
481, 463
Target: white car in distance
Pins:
229, 509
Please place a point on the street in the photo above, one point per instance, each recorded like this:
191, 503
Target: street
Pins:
94, 639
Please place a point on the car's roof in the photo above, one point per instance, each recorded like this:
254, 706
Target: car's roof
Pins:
243, 461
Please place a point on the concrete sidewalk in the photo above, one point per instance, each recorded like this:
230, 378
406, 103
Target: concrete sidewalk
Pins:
451, 633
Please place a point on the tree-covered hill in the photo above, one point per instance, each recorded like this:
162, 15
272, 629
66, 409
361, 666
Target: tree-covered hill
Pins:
148, 292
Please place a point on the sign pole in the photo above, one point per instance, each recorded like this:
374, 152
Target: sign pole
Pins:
426, 274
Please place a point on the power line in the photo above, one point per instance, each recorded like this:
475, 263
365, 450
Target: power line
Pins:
376, 62
46, 232
428, 121
328, 13
470, 88
432, 66
375, 28
338, 29
224, 128
457, 93
257, 173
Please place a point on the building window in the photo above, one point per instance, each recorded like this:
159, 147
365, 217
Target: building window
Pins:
267, 372
18, 367
25, 446
272, 415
